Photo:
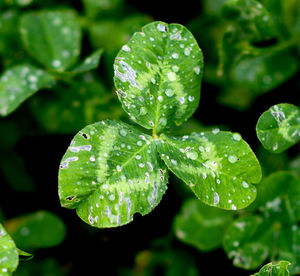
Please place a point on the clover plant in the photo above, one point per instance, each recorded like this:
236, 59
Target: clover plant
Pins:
112, 170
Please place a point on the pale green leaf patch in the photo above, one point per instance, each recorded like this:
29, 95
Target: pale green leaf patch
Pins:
19, 83
210, 224
110, 172
52, 37
218, 166
279, 127
158, 75
274, 269
9, 258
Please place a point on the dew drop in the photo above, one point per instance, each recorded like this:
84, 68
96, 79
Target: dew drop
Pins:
232, 158
169, 92
171, 76
123, 132
236, 137
192, 155
216, 198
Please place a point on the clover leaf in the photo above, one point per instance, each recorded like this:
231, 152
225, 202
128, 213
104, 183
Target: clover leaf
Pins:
279, 127
279, 269
112, 171
158, 75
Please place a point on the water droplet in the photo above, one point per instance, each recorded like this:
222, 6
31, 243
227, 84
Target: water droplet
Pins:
111, 197
187, 51
169, 92
56, 63
138, 157
192, 155
216, 198
236, 137
174, 162
119, 168
171, 76
161, 28
125, 48
123, 132
175, 68
160, 98
191, 98
232, 158
175, 55
181, 100
245, 184
143, 111
197, 70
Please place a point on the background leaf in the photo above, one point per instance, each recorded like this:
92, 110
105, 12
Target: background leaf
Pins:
161, 87
52, 37
19, 83
210, 224
110, 172
41, 229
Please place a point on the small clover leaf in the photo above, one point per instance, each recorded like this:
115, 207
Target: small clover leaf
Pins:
273, 232
279, 127
218, 166
210, 223
52, 37
276, 269
110, 172
19, 83
158, 75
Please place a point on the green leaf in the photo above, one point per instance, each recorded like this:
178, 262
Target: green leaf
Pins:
251, 18
90, 63
210, 223
273, 231
279, 269
110, 172
19, 83
158, 75
279, 127
96, 8
8, 253
41, 229
168, 262
52, 37
47, 267
241, 245
265, 70
74, 105
11, 50
24, 255
218, 166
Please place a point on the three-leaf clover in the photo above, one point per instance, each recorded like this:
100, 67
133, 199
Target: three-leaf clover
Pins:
112, 170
